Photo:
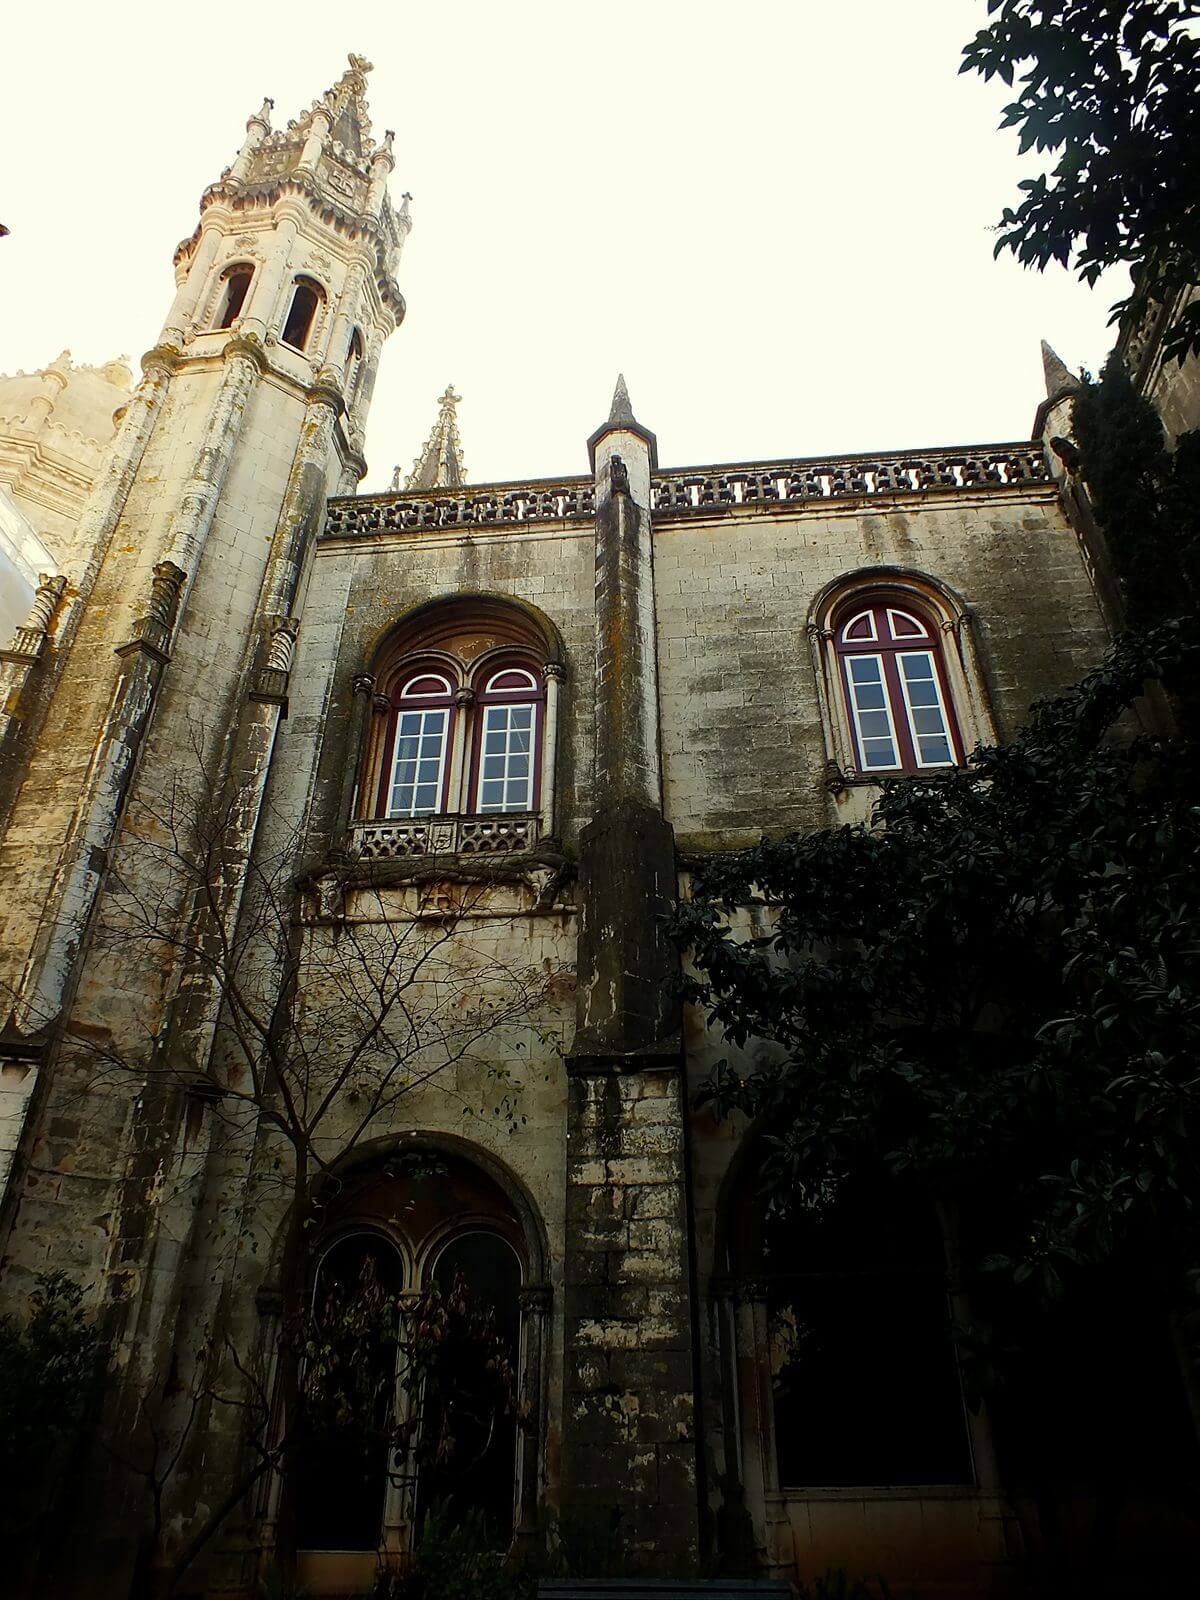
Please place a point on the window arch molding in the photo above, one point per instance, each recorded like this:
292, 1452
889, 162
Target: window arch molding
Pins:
949, 620
496, 735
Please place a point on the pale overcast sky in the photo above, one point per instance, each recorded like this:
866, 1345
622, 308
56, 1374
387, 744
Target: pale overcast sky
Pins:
775, 218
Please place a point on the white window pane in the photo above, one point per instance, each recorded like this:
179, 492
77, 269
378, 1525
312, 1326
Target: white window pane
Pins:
519, 739
926, 709
865, 669
875, 725
879, 754
520, 716
936, 752
870, 697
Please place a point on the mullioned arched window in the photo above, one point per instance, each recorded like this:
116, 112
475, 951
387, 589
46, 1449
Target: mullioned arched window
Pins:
457, 752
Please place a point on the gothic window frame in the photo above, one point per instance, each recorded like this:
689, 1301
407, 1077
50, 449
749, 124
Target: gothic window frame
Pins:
954, 646
742, 1291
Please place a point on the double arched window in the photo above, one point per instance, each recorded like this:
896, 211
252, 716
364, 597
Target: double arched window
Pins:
422, 1385
458, 752
499, 712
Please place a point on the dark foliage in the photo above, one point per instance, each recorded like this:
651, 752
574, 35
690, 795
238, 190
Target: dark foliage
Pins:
47, 1366
1147, 499
1112, 89
992, 992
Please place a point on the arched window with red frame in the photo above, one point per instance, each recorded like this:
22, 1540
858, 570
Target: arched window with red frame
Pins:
894, 680
415, 775
506, 771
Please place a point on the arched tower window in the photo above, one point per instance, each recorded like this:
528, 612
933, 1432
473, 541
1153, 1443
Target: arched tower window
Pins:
354, 367
306, 298
233, 296
895, 686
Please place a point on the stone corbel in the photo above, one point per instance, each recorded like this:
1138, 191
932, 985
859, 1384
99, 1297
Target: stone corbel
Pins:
30, 639
152, 630
271, 681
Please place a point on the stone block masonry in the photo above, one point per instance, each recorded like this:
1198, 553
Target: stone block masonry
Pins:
628, 1403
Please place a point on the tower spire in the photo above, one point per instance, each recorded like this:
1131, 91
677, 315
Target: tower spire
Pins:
440, 463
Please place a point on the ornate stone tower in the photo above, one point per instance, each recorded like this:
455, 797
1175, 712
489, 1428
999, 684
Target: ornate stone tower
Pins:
154, 672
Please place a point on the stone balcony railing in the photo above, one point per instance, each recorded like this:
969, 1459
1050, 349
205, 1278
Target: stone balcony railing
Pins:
702, 491
401, 838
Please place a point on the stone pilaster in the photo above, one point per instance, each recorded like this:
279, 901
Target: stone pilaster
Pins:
629, 1412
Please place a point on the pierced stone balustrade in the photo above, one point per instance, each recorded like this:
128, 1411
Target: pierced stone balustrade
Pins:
402, 838
698, 490
708, 489
502, 505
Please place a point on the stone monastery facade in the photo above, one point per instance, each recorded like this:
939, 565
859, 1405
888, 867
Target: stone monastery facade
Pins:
491, 724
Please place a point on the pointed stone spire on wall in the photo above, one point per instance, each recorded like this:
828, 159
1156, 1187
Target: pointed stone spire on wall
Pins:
621, 419
622, 410
1058, 375
440, 463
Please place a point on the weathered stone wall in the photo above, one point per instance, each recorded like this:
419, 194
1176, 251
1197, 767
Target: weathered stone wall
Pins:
359, 589
743, 751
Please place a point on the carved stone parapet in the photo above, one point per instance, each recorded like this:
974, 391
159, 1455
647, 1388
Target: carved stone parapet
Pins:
152, 630
271, 681
283, 644
399, 838
326, 390
248, 346
30, 638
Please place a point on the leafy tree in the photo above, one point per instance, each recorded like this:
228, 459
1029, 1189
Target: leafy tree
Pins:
1112, 88
991, 991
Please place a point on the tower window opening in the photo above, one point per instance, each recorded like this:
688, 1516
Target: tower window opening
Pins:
237, 284
301, 313
354, 366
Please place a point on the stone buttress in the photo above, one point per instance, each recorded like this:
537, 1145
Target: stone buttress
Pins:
628, 1415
